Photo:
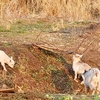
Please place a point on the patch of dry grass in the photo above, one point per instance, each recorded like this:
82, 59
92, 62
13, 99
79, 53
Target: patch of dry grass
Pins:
72, 10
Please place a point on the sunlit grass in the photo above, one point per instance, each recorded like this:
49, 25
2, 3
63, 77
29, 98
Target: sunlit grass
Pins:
22, 27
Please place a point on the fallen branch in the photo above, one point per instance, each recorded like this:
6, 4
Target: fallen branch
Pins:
52, 49
10, 90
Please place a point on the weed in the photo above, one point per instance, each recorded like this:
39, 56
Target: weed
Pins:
34, 75
41, 25
3, 29
18, 96
19, 21
58, 97
66, 97
9, 83
83, 98
96, 97
5, 44
50, 68
61, 81
61, 59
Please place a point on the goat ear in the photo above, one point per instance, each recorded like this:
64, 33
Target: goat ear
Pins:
78, 55
81, 56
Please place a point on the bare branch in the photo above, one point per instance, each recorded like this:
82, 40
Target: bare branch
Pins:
10, 90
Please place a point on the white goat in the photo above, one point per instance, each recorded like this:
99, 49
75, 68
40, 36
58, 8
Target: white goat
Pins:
91, 80
78, 66
5, 59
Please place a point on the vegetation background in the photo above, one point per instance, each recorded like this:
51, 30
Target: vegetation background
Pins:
29, 27
71, 10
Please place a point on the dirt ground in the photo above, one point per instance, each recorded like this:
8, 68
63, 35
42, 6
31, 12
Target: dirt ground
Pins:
47, 67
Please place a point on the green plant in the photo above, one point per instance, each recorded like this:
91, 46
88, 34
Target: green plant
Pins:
58, 97
3, 29
67, 97
96, 97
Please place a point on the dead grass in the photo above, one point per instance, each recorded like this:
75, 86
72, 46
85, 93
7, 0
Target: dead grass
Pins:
72, 10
